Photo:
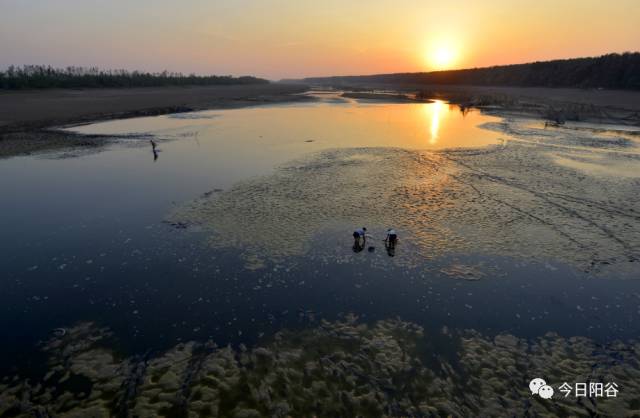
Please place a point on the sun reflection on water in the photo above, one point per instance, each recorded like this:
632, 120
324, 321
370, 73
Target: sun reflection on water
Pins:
435, 109
433, 125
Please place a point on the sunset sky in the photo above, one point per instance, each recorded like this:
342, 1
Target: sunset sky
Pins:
278, 38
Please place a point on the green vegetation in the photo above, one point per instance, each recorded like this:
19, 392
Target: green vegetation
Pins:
612, 71
42, 77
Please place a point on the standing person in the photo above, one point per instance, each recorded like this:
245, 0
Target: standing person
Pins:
392, 237
154, 150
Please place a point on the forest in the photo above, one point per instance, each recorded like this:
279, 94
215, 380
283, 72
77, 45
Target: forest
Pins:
43, 77
611, 71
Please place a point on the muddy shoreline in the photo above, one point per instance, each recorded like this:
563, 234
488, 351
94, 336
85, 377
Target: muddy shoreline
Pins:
28, 119
558, 107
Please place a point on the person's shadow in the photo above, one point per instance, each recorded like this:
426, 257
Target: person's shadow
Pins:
390, 246
358, 244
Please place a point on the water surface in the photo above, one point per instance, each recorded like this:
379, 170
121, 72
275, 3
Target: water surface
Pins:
490, 239
86, 238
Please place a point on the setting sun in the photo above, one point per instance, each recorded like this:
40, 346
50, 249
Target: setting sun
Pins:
441, 57
261, 208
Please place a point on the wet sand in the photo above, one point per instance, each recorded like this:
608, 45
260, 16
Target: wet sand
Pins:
447, 202
25, 116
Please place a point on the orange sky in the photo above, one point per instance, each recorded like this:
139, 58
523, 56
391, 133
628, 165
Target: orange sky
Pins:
278, 38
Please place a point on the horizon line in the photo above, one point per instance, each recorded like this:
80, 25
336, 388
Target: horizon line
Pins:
467, 68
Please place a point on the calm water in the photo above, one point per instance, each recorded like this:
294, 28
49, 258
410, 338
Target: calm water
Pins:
84, 239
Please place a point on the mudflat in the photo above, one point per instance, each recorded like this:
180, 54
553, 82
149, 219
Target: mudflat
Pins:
43, 108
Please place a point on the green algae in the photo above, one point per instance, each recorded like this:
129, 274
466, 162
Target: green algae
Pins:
342, 368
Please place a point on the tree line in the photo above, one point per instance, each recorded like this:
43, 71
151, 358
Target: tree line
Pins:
611, 71
42, 77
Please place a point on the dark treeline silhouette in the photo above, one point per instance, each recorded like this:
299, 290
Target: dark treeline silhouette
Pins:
612, 71
41, 77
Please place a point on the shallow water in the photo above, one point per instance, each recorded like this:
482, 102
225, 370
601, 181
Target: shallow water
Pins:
240, 227
95, 220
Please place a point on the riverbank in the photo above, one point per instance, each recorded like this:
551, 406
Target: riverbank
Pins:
27, 116
557, 105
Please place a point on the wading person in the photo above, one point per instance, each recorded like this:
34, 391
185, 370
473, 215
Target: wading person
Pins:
390, 242
359, 239
154, 150
392, 237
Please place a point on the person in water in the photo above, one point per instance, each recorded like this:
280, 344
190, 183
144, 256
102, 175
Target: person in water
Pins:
359, 239
392, 237
154, 150
390, 242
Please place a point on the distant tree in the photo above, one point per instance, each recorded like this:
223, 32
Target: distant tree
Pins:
611, 71
41, 77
